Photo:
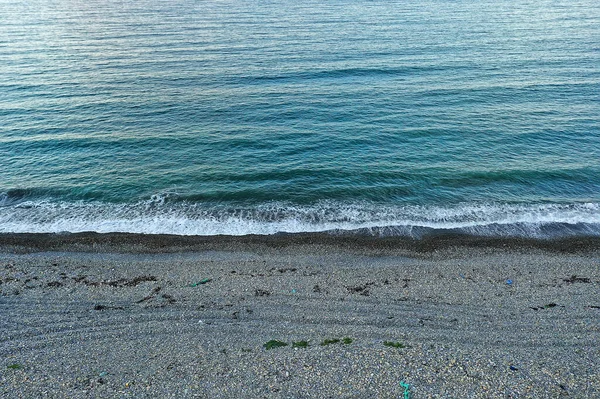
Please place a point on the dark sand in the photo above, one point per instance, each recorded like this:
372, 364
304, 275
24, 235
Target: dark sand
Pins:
118, 315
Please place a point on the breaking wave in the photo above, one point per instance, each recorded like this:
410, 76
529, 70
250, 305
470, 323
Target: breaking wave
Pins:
159, 215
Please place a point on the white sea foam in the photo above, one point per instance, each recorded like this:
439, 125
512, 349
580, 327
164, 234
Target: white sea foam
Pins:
157, 216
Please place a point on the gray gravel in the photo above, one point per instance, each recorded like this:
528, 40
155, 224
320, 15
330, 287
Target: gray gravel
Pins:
474, 323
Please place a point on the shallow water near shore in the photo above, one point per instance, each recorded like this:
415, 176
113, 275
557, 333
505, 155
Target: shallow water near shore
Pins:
237, 117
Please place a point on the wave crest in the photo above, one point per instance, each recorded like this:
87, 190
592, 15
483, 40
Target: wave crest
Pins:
159, 215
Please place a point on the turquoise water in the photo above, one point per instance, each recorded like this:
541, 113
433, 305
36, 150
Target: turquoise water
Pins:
244, 117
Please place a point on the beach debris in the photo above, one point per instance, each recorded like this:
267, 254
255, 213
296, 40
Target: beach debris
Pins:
274, 344
201, 282
105, 307
115, 283
394, 344
406, 394
259, 292
509, 282
562, 386
165, 299
131, 282
548, 306
284, 269
152, 295
300, 344
513, 368
574, 279
169, 298
360, 289
293, 291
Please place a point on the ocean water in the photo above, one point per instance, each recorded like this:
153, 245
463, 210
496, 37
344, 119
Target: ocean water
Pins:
202, 117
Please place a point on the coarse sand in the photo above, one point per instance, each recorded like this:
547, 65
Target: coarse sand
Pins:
130, 316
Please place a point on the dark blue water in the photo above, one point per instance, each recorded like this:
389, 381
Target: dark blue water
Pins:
241, 117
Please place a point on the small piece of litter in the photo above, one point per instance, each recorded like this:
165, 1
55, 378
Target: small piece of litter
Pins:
509, 282
406, 389
206, 280
513, 368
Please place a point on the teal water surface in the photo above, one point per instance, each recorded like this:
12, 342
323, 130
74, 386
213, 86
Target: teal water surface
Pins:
242, 117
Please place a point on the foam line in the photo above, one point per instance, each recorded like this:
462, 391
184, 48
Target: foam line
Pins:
156, 216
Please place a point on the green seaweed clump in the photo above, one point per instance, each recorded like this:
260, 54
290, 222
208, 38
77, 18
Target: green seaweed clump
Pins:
347, 340
394, 344
274, 344
300, 344
14, 366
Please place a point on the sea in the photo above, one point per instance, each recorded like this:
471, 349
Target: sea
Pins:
238, 117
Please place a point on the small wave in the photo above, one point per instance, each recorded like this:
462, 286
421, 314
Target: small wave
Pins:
158, 215
342, 73
12, 197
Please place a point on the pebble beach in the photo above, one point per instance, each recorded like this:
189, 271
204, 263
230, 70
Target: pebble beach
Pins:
298, 316
299, 199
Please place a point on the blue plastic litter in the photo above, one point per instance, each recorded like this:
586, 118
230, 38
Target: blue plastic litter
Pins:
406, 389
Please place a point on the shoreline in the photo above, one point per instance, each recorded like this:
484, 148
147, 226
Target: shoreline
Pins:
157, 243
126, 315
